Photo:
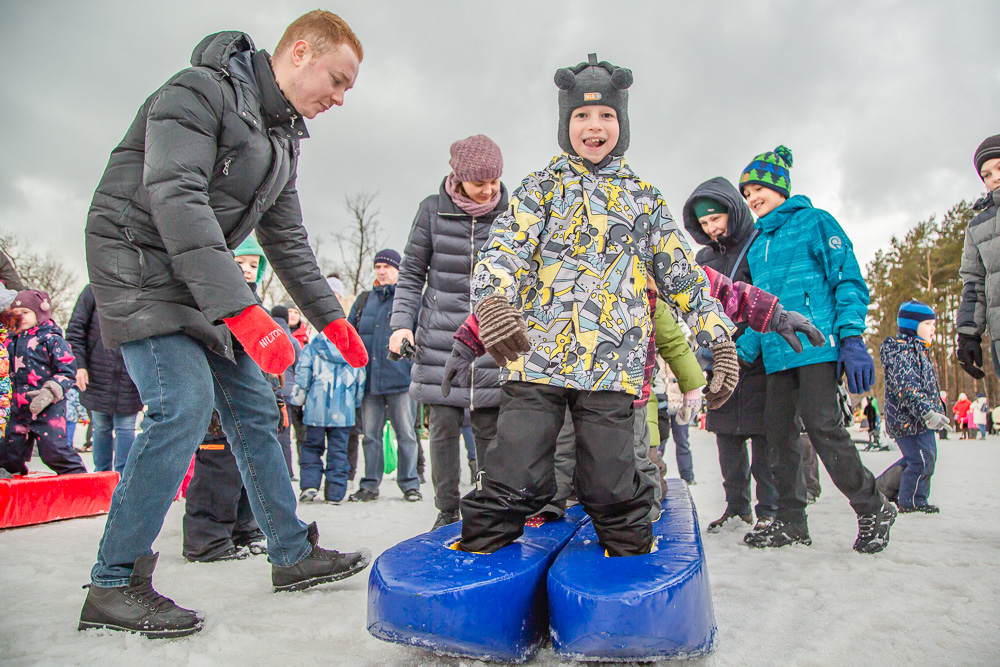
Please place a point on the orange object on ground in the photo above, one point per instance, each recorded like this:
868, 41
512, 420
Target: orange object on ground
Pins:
36, 498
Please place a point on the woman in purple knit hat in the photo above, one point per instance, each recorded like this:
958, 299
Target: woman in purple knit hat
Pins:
447, 234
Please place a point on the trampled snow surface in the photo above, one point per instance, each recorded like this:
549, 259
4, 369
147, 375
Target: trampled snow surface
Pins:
932, 598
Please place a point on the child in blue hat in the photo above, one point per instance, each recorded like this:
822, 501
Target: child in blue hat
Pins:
913, 406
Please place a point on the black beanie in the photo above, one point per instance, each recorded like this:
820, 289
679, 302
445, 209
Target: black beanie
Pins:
593, 83
989, 149
280, 312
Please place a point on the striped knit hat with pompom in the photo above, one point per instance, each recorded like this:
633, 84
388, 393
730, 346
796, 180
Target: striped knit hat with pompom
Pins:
770, 170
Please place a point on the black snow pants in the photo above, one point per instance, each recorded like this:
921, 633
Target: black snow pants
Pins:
517, 477
811, 391
217, 514
49, 434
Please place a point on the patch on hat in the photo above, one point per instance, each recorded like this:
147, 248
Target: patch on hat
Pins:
591, 97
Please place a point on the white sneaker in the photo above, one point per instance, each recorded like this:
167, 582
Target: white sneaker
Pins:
307, 495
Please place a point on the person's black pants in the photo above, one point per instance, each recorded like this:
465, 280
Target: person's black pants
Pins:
217, 514
811, 391
517, 477
737, 468
446, 459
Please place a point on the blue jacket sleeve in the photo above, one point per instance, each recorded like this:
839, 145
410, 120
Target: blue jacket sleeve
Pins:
748, 346
835, 252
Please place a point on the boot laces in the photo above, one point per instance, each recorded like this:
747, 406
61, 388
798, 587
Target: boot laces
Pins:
148, 597
866, 525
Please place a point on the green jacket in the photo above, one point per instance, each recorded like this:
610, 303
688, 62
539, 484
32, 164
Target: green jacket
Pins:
672, 345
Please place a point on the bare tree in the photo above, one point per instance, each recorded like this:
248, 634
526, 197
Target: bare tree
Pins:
46, 272
360, 241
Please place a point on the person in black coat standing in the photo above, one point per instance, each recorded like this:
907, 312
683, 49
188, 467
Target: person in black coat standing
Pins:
105, 387
718, 218
210, 157
432, 302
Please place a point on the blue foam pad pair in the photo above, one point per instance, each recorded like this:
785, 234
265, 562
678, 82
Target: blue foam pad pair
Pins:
639, 607
484, 606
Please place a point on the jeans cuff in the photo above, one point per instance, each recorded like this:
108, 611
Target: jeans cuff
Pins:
110, 583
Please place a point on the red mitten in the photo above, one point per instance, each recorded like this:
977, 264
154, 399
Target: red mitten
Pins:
262, 338
347, 340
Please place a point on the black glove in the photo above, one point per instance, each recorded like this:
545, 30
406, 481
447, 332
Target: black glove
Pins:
786, 323
457, 367
970, 355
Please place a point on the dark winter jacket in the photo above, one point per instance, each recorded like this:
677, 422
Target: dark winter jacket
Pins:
384, 375
911, 386
804, 257
286, 388
37, 355
440, 254
8, 274
743, 413
210, 157
980, 274
109, 389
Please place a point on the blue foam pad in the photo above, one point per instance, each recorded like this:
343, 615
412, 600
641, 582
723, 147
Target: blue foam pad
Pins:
485, 606
637, 607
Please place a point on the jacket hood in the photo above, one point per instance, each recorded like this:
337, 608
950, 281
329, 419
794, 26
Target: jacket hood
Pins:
783, 213
325, 348
741, 222
251, 247
610, 167
215, 50
447, 206
45, 328
987, 200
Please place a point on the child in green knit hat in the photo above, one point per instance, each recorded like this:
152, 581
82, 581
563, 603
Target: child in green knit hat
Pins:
804, 257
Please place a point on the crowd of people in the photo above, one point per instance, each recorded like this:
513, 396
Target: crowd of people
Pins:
566, 323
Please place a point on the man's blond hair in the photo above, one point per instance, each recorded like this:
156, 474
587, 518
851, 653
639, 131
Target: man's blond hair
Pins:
323, 31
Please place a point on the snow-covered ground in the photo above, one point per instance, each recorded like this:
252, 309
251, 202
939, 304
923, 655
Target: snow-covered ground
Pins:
932, 598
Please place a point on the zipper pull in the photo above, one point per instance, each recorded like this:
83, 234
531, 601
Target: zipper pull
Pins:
225, 166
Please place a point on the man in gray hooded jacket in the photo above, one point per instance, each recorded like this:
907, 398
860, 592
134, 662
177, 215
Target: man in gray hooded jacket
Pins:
210, 157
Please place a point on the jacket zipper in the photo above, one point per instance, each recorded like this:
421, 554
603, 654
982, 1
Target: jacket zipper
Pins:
225, 166
472, 270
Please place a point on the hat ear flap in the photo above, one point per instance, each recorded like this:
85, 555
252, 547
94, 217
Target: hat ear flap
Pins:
565, 78
621, 78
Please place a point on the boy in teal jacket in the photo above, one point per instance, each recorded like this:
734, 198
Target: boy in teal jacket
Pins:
805, 259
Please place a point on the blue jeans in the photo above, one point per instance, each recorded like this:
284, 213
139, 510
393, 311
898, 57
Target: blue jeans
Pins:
469, 438
124, 435
685, 463
920, 453
333, 441
398, 408
181, 382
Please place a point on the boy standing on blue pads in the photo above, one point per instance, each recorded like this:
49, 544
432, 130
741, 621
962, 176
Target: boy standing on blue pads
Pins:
560, 294
913, 406
805, 259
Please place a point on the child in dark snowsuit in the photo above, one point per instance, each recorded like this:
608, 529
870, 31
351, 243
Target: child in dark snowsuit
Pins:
913, 406
43, 369
218, 521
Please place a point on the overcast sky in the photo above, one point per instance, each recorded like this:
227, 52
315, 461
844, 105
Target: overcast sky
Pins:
883, 104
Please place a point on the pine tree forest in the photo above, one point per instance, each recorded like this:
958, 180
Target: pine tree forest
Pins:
924, 265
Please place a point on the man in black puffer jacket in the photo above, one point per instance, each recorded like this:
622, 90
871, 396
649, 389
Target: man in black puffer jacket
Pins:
717, 217
105, 386
210, 157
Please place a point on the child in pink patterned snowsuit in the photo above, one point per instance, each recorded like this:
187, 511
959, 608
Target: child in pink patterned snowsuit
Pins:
42, 369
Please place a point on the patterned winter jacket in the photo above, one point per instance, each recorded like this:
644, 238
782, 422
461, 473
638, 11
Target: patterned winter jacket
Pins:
572, 253
326, 385
5, 388
38, 355
911, 386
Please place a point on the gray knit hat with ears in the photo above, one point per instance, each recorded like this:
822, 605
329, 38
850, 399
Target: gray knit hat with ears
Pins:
592, 83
